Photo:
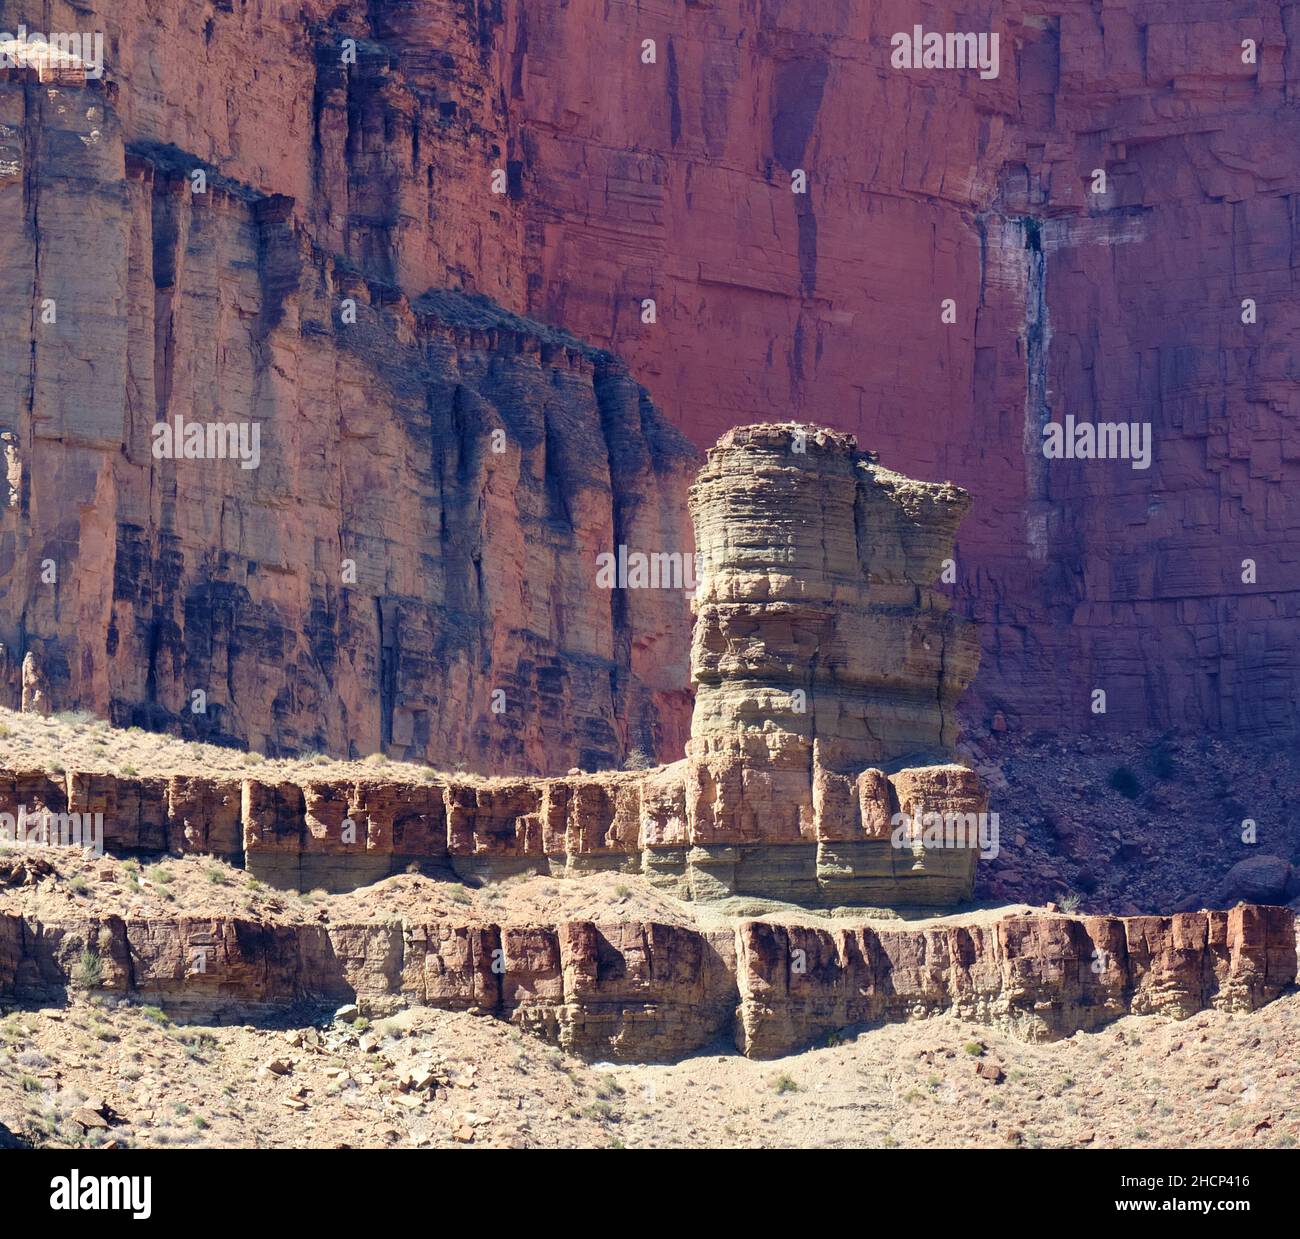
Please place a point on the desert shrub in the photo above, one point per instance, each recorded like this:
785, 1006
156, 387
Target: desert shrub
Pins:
1162, 761
89, 972
1124, 781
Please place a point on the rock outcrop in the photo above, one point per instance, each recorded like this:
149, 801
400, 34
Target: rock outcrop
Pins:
817, 618
822, 656
697, 837
653, 991
826, 667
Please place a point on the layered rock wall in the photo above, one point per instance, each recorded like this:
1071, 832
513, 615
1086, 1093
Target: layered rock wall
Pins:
654, 991
625, 181
696, 838
672, 180
826, 667
403, 561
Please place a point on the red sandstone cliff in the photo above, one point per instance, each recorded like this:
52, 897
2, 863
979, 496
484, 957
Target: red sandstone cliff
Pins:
645, 990
407, 564
624, 181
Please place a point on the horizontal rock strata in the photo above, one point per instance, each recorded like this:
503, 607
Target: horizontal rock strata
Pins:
817, 617
654, 991
824, 663
672, 181
675, 824
822, 653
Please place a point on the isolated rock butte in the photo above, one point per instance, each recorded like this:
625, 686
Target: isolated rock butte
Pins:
646, 990
817, 574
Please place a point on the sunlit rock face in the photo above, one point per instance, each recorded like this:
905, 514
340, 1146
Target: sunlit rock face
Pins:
255, 494
827, 670
816, 616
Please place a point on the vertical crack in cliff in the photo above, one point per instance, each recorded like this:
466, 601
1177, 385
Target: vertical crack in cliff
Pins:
1037, 339
31, 165
674, 101
797, 91
386, 626
607, 410
1036, 329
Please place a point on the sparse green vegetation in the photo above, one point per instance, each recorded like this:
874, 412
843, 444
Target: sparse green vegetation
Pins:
609, 1087
89, 972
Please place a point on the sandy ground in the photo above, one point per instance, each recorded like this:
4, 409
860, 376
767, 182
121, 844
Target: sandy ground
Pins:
96, 1074
104, 1072
79, 741
54, 883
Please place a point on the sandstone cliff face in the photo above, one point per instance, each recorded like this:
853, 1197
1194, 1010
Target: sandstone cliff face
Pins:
409, 563
654, 991
698, 829
672, 181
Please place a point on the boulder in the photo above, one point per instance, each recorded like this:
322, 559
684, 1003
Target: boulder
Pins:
1258, 879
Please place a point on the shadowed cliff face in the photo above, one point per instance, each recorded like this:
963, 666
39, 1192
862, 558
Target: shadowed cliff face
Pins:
394, 549
672, 180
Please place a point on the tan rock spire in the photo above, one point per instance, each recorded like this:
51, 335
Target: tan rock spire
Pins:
816, 613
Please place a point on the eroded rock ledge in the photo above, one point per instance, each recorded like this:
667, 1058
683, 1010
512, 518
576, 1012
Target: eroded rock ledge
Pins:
664, 823
644, 990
